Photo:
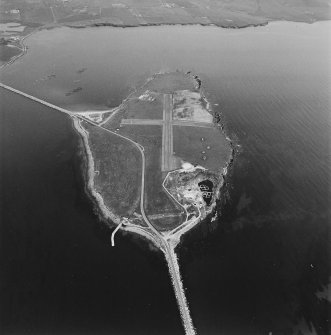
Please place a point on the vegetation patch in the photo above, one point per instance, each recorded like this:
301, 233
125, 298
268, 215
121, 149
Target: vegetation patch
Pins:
132, 13
168, 222
148, 105
171, 82
207, 147
168, 117
189, 106
117, 165
7, 52
150, 137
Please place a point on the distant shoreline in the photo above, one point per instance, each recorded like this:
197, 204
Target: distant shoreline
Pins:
23, 49
114, 25
260, 22
83, 25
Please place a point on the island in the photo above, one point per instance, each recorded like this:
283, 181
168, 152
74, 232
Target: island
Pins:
156, 164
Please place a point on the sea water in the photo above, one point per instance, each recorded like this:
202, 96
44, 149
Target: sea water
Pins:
254, 270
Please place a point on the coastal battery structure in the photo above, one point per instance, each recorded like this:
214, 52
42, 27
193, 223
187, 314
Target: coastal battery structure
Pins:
155, 164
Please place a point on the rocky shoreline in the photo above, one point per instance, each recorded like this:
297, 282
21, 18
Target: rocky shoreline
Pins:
103, 212
106, 215
96, 198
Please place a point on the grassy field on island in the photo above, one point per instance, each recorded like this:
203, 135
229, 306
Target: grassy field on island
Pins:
202, 146
117, 170
150, 137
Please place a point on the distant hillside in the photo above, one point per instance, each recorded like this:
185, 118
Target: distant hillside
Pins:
225, 13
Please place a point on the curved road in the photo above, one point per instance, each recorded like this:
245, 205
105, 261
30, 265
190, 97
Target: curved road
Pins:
168, 250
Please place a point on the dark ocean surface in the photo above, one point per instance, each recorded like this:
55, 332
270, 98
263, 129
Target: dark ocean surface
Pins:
254, 270
59, 274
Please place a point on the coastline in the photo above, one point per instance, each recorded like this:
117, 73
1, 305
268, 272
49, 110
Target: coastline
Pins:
83, 24
123, 26
106, 215
23, 49
89, 173
103, 212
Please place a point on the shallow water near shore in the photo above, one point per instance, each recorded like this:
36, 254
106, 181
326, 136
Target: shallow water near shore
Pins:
256, 269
